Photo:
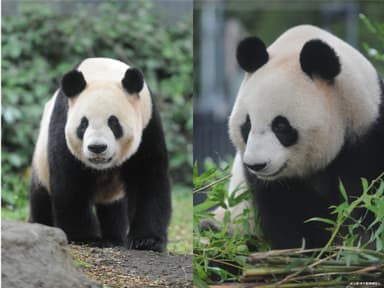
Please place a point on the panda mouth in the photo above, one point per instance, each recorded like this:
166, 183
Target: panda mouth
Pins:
100, 160
272, 175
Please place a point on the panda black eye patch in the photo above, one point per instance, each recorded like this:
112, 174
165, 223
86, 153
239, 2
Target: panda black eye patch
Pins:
115, 126
283, 130
82, 127
245, 129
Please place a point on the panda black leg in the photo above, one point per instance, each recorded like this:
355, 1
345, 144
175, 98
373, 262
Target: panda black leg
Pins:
148, 190
72, 201
75, 217
149, 224
113, 219
40, 210
283, 210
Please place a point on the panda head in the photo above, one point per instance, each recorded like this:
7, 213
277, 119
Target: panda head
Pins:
296, 107
109, 105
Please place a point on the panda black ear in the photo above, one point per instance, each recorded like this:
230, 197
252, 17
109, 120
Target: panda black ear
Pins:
73, 83
133, 80
251, 54
317, 58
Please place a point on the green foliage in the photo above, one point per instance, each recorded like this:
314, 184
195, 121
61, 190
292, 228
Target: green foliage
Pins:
221, 252
302, 268
180, 229
348, 224
39, 45
14, 197
377, 30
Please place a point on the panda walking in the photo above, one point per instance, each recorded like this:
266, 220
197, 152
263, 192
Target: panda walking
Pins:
100, 166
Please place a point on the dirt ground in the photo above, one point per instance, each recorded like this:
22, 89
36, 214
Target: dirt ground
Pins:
120, 268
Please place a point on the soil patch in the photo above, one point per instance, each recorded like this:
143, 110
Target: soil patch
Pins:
118, 267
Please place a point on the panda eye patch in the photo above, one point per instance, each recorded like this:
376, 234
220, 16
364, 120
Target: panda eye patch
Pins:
82, 127
245, 129
283, 130
115, 126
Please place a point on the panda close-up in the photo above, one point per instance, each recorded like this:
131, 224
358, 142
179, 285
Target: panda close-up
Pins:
100, 166
309, 113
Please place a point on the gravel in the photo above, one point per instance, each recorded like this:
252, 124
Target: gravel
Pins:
119, 267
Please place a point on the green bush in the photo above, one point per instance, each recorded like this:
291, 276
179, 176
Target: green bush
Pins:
376, 53
39, 45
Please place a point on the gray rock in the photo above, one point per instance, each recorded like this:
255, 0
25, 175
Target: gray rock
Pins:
37, 256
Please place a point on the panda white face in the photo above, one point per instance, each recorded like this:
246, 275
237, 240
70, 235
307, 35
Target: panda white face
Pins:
300, 101
104, 126
287, 129
109, 105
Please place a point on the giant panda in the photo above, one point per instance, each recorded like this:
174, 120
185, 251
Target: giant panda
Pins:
100, 165
309, 113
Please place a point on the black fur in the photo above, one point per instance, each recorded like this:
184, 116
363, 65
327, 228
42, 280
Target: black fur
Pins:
113, 228
317, 58
146, 208
82, 127
302, 198
40, 203
245, 129
133, 80
115, 126
251, 54
256, 167
149, 200
73, 83
283, 130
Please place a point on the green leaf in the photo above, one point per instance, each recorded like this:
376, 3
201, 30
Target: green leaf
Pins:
342, 191
323, 220
365, 184
203, 207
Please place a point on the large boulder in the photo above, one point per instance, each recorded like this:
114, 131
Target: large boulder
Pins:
35, 255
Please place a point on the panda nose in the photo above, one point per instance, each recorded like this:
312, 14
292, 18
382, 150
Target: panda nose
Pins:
97, 148
256, 167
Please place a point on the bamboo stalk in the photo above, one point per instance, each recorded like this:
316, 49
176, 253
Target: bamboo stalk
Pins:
332, 283
198, 190
368, 276
262, 271
265, 255
316, 263
299, 251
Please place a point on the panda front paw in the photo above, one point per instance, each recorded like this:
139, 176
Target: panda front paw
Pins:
146, 243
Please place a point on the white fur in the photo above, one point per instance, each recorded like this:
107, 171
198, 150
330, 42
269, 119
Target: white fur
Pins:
103, 96
40, 157
323, 114
97, 104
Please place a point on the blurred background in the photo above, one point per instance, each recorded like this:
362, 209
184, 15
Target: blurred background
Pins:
41, 40
219, 25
